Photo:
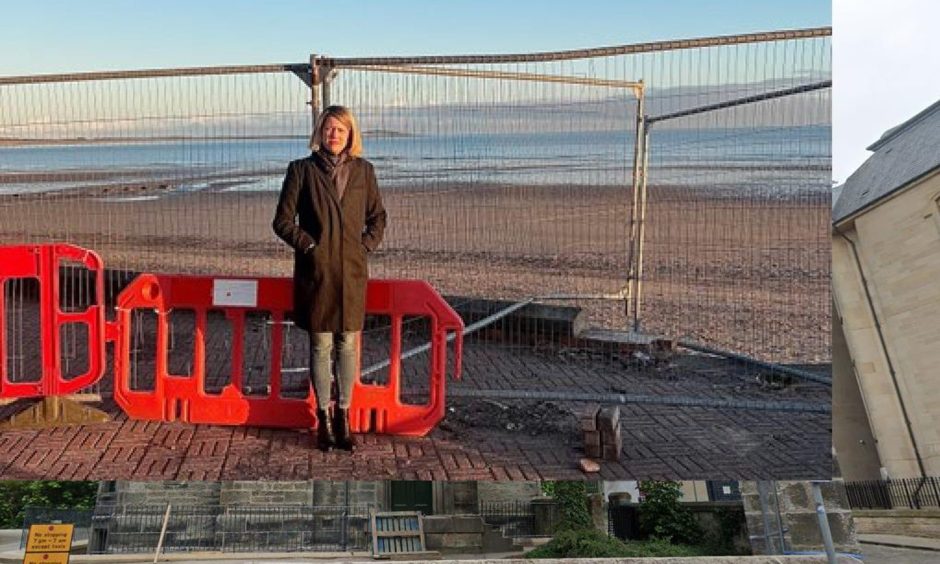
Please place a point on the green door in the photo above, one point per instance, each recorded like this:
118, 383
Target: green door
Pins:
412, 495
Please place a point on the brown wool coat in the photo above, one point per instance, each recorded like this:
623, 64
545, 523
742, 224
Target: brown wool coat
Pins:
330, 281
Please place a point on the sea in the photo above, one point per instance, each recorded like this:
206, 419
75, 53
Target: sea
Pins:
783, 160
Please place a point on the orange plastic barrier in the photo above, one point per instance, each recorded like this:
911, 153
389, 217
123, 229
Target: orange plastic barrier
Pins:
42, 262
183, 397
382, 403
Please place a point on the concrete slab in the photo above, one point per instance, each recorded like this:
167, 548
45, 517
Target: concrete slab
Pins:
901, 541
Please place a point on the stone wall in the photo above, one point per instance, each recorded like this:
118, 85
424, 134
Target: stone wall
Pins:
454, 533
908, 522
453, 498
122, 492
851, 431
709, 514
210, 514
244, 493
493, 492
351, 493
458, 498
265, 493
236, 516
797, 511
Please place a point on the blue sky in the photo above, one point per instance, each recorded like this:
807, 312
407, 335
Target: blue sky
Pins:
51, 36
877, 44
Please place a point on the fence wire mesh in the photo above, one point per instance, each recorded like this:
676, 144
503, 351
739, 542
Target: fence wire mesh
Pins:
503, 181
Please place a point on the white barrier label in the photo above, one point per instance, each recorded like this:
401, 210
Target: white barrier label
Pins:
238, 293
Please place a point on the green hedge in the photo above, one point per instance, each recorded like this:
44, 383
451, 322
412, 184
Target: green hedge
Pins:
591, 543
16, 495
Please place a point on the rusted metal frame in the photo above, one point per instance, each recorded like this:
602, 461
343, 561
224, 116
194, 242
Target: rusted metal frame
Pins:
303, 69
314, 91
639, 153
520, 76
759, 37
742, 101
300, 69
638, 218
641, 225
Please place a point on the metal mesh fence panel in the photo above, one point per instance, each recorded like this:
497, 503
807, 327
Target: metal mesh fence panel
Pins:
505, 179
737, 249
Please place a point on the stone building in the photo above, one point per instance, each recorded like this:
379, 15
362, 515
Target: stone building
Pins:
333, 516
886, 294
428, 497
782, 517
308, 515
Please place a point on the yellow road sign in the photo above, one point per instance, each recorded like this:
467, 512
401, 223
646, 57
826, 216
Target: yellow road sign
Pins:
46, 558
49, 538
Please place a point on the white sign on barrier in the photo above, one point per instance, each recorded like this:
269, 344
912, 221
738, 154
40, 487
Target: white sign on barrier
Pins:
237, 293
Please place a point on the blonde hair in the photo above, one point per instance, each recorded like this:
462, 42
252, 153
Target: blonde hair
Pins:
341, 113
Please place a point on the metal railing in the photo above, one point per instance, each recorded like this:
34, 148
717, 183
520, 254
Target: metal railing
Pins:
137, 528
736, 236
905, 493
521, 518
81, 518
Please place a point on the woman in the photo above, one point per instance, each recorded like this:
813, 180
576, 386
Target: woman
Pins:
330, 212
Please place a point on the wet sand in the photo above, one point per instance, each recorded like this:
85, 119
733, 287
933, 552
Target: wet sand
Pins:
746, 274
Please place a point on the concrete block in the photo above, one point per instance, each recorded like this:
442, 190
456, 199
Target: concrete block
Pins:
589, 466
592, 451
796, 496
506, 491
439, 524
611, 452
454, 542
588, 418
612, 438
608, 418
592, 438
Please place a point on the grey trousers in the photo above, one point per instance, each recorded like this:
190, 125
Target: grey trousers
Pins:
321, 356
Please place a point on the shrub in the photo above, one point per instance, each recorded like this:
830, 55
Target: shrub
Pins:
663, 516
16, 495
572, 504
730, 524
591, 543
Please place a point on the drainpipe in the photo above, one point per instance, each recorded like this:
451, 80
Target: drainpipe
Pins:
894, 376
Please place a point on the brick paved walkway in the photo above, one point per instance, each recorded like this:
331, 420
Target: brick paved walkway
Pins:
479, 439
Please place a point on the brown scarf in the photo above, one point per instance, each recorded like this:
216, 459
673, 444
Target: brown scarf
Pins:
337, 167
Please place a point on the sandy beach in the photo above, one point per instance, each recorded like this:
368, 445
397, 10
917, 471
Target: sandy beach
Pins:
749, 275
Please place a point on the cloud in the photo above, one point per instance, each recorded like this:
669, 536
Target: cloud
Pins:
883, 71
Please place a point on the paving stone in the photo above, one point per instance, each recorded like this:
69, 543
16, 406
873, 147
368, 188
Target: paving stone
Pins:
655, 442
589, 466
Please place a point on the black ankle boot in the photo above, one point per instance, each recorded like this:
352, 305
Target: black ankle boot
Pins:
344, 438
325, 439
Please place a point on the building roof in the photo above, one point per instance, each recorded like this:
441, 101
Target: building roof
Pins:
902, 154
836, 194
